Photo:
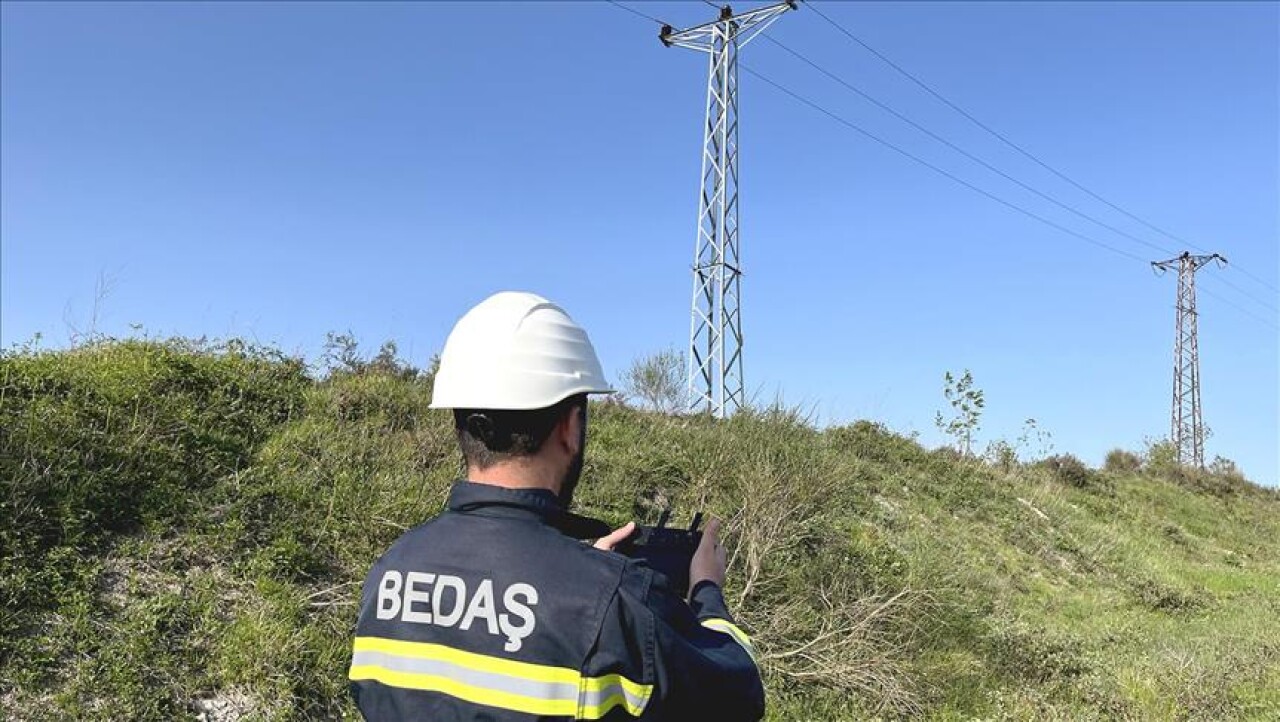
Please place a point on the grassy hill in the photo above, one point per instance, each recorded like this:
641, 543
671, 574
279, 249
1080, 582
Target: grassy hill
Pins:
184, 526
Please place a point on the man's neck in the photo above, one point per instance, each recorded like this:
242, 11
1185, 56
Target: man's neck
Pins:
515, 475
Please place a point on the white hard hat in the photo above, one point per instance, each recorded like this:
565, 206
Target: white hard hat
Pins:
515, 351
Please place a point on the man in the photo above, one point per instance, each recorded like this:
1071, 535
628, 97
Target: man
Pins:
491, 610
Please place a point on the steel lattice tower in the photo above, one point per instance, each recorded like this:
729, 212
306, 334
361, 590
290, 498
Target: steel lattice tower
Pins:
1187, 425
715, 331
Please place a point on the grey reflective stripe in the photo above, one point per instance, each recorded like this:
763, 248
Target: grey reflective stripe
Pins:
466, 675
596, 698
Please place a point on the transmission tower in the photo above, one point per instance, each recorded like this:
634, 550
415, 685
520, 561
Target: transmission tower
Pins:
715, 331
1187, 425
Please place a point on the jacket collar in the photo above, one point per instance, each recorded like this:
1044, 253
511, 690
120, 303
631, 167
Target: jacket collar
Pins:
467, 497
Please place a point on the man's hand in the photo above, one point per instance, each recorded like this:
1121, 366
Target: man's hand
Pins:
607, 543
709, 560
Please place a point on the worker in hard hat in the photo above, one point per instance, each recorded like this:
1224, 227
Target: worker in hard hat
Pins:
492, 610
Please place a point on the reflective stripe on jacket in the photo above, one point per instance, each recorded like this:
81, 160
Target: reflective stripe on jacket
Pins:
489, 612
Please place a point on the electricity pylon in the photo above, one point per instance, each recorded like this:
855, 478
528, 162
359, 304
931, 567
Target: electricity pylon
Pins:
1187, 425
715, 331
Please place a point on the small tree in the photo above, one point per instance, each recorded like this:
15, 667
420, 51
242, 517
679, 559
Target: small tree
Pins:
966, 410
1226, 468
341, 355
1002, 455
388, 362
1161, 457
1037, 442
658, 381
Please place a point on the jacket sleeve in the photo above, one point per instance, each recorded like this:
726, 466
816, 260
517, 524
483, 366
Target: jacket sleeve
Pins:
691, 660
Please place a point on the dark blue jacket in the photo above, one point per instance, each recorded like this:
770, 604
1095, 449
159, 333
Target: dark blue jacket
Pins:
490, 612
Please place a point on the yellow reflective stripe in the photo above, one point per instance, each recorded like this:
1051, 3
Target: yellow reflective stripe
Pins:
494, 681
595, 684
600, 710
731, 629
631, 695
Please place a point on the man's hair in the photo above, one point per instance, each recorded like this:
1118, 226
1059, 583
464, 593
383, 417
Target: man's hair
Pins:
489, 436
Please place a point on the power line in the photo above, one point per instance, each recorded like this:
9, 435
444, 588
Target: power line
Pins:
889, 109
1065, 206
1028, 154
635, 12
1245, 292
1008, 204
1241, 309
929, 89
1268, 284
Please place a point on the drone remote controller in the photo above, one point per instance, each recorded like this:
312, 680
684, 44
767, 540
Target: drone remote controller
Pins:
666, 550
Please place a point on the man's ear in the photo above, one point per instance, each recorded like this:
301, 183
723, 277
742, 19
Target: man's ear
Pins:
569, 430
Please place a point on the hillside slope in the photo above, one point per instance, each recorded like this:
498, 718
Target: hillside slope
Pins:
183, 529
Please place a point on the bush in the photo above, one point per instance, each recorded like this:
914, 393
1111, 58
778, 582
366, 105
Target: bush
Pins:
1226, 469
1070, 470
1222, 478
1001, 455
341, 357
1161, 458
875, 442
1161, 597
1120, 461
1037, 654
659, 382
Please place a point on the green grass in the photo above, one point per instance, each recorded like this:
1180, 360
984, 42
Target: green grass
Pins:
184, 526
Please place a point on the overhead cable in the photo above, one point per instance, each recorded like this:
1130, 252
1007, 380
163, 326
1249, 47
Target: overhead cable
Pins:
1008, 204
976, 159
635, 12
1004, 139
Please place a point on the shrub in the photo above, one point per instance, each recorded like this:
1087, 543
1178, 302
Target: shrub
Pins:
875, 442
1161, 458
1161, 597
1226, 469
341, 356
1037, 654
1037, 441
1221, 479
1122, 462
1070, 470
659, 382
1002, 455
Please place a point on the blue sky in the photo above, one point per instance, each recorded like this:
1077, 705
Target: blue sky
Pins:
277, 171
